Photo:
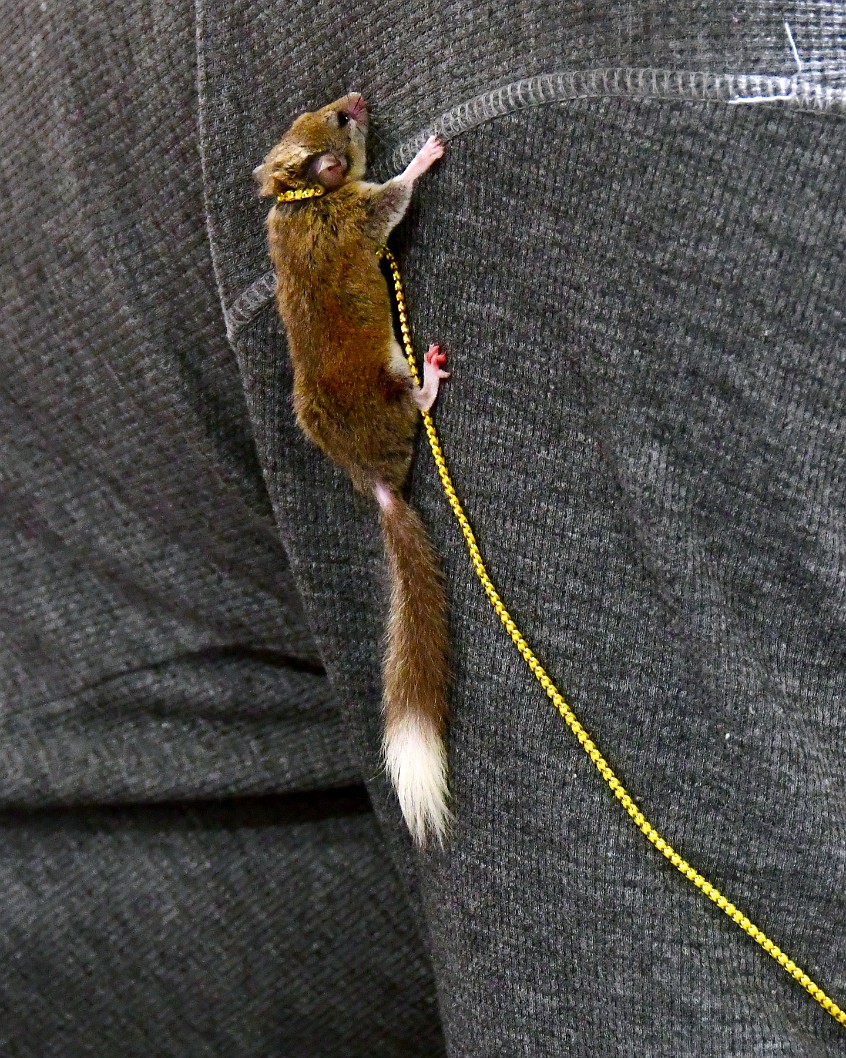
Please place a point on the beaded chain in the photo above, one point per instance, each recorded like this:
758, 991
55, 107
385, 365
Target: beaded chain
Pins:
587, 744
297, 196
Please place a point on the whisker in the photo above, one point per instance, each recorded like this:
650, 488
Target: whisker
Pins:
375, 115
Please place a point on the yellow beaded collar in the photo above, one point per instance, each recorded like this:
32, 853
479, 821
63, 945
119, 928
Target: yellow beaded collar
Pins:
297, 196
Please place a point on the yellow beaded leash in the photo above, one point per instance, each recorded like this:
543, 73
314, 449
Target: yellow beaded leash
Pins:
587, 744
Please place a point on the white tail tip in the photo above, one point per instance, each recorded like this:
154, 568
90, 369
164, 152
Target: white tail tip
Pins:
415, 758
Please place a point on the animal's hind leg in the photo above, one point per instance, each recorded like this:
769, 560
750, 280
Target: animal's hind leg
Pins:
433, 372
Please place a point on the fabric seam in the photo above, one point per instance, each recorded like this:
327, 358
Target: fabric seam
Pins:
802, 91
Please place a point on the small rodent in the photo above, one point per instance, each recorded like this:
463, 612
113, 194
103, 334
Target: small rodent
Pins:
355, 398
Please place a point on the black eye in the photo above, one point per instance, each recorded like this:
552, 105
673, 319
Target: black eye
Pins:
343, 120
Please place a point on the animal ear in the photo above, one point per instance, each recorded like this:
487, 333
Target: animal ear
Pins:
279, 171
330, 169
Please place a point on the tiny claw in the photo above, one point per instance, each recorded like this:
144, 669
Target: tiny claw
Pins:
425, 158
436, 358
435, 355
424, 397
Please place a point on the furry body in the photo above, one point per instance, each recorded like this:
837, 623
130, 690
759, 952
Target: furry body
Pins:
354, 397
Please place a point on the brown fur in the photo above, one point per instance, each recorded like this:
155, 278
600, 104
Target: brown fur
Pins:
352, 395
416, 670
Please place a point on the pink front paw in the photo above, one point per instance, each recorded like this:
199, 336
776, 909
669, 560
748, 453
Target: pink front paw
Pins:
428, 154
431, 150
436, 358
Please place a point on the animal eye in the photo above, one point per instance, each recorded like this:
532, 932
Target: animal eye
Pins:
343, 120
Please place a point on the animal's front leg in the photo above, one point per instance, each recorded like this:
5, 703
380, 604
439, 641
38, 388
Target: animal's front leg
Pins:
389, 201
425, 158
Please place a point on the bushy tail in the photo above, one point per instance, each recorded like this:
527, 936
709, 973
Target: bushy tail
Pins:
416, 671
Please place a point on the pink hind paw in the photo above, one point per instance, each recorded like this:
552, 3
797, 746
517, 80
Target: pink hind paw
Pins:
433, 372
436, 358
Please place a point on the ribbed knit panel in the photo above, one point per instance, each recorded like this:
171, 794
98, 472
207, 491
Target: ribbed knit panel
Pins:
138, 545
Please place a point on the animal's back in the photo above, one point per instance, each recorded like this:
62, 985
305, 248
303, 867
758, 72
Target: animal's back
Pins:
352, 394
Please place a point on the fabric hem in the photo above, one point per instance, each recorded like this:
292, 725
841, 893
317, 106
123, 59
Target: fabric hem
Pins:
802, 91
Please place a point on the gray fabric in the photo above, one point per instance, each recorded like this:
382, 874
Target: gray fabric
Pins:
641, 290
642, 300
138, 547
152, 645
255, 927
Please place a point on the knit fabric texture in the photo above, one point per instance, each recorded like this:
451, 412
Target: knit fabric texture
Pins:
636, 263
189, 864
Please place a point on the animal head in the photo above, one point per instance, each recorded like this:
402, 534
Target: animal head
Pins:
325, 147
